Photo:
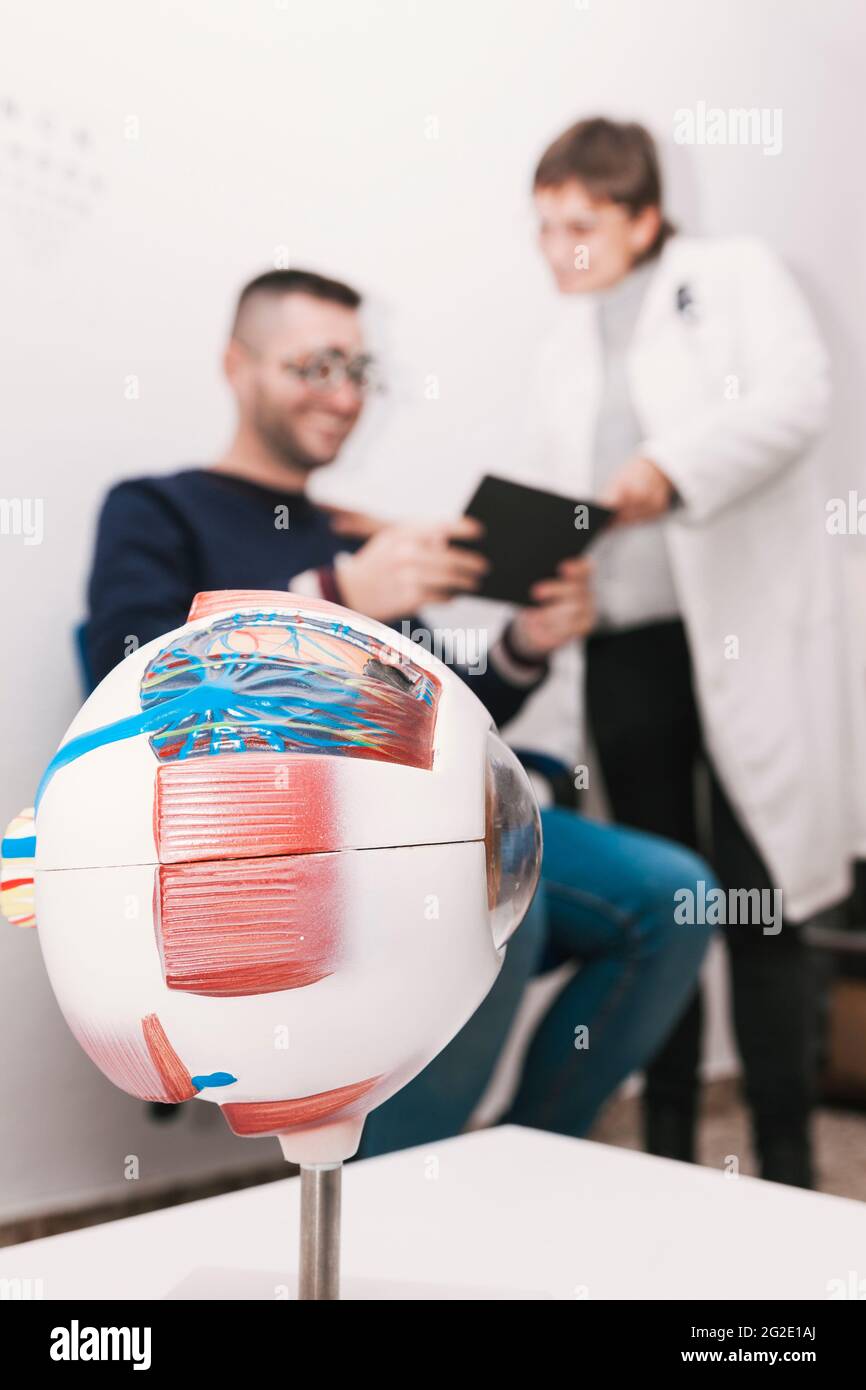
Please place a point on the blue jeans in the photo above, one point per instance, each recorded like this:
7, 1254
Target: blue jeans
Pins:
605, 901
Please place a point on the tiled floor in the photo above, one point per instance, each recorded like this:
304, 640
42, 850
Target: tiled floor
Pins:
840, 1138
52, 1225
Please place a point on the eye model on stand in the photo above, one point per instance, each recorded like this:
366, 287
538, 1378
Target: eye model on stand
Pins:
232, 860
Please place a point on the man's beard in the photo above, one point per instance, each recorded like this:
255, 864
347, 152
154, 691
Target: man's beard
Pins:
281, 439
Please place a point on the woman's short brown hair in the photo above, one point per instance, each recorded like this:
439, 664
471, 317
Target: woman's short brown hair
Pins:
612, 159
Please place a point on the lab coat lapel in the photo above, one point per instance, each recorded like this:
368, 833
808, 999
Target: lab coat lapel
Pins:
663, 368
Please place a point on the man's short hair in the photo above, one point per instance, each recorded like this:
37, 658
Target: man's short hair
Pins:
273, 284
615, 160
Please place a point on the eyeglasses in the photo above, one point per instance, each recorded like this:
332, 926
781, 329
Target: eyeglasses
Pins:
328, 370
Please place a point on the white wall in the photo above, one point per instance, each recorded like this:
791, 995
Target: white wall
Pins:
277, 123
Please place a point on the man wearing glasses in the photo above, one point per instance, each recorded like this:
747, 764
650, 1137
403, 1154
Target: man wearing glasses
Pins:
298, 369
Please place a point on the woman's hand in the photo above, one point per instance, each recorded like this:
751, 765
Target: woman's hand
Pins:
639, 492
564, 610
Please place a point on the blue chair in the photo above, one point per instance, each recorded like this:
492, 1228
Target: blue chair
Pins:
548, 767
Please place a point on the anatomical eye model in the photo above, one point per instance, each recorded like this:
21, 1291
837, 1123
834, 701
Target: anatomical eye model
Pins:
223, 780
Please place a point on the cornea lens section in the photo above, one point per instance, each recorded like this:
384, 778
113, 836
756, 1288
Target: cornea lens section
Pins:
512, 839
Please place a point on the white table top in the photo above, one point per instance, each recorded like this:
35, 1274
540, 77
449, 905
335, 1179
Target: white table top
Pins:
502, 1213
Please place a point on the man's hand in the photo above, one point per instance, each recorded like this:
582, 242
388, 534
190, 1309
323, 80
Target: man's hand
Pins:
403, 567
349, 523
565, 610
639, 492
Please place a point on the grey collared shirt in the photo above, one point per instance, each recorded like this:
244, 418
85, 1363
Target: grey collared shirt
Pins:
633, 581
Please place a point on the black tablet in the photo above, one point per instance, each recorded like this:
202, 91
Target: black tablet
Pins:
527, 532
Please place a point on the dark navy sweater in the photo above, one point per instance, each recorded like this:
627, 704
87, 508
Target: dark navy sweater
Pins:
161, 540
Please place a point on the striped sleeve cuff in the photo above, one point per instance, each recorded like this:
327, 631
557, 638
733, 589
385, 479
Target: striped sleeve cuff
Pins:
514, 668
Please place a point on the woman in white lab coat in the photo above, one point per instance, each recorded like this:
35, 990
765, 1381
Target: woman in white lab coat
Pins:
684, 385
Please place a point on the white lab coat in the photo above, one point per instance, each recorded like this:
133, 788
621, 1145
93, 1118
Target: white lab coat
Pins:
730, 393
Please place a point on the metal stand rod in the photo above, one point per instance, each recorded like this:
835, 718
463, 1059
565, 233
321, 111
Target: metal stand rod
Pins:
320, 1231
